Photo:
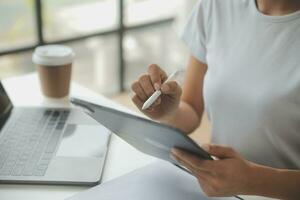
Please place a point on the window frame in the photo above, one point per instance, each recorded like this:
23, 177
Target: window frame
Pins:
120, 31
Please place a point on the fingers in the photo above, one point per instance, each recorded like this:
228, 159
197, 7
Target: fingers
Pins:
221, 152
193, 162
197, 173
139, 91
145, 82
137, 101
157, 76
149, 83
140, 94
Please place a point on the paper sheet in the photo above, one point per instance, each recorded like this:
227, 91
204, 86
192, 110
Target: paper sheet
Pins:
158, 181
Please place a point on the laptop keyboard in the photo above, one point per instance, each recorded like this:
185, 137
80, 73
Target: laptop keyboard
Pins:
29, 141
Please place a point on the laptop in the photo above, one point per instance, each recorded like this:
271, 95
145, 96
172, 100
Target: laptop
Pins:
50, 145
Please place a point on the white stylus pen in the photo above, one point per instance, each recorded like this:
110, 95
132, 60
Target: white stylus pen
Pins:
176, 76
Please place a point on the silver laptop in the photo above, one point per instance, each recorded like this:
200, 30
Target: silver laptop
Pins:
50, 145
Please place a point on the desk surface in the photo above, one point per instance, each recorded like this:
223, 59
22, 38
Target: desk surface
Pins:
121, 159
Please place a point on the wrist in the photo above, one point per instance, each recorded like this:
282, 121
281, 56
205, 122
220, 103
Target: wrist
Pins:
263, 181
252, 181
182, 117
169, 117
173, 119
256, 177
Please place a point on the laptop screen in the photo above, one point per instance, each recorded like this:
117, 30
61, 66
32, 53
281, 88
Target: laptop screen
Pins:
5, 103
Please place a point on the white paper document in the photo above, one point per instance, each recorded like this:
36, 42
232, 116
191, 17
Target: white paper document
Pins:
158, 181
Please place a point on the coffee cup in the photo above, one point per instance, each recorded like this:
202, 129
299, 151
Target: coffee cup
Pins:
54, 66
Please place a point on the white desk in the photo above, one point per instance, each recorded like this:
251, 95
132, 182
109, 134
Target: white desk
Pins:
121, 159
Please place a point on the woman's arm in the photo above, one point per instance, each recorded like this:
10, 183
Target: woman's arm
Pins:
276, 183
232, 175
188, 116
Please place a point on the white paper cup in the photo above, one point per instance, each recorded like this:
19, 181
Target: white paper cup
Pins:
54, 66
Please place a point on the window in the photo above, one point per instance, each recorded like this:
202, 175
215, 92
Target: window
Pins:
69, 18
15, 64
96, 63
110, 37
139, 12
17, 24
159, 44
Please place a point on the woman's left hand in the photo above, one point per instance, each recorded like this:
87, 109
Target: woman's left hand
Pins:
229, 175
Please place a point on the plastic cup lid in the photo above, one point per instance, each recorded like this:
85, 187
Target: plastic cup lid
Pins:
53, 55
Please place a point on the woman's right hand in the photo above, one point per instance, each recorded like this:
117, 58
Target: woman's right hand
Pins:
147, 84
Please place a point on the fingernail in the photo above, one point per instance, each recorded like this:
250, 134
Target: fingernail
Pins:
158, 101
150, 109
165, 88
156, 86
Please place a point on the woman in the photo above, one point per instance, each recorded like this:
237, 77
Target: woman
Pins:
244, 69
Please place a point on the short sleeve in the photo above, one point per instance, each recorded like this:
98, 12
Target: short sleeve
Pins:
193, 34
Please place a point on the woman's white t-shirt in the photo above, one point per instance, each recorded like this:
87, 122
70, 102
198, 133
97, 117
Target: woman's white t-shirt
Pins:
252, 86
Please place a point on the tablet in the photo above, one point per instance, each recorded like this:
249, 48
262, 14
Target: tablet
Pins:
147, 136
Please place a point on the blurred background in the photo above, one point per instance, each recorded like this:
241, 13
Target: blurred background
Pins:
114, 40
